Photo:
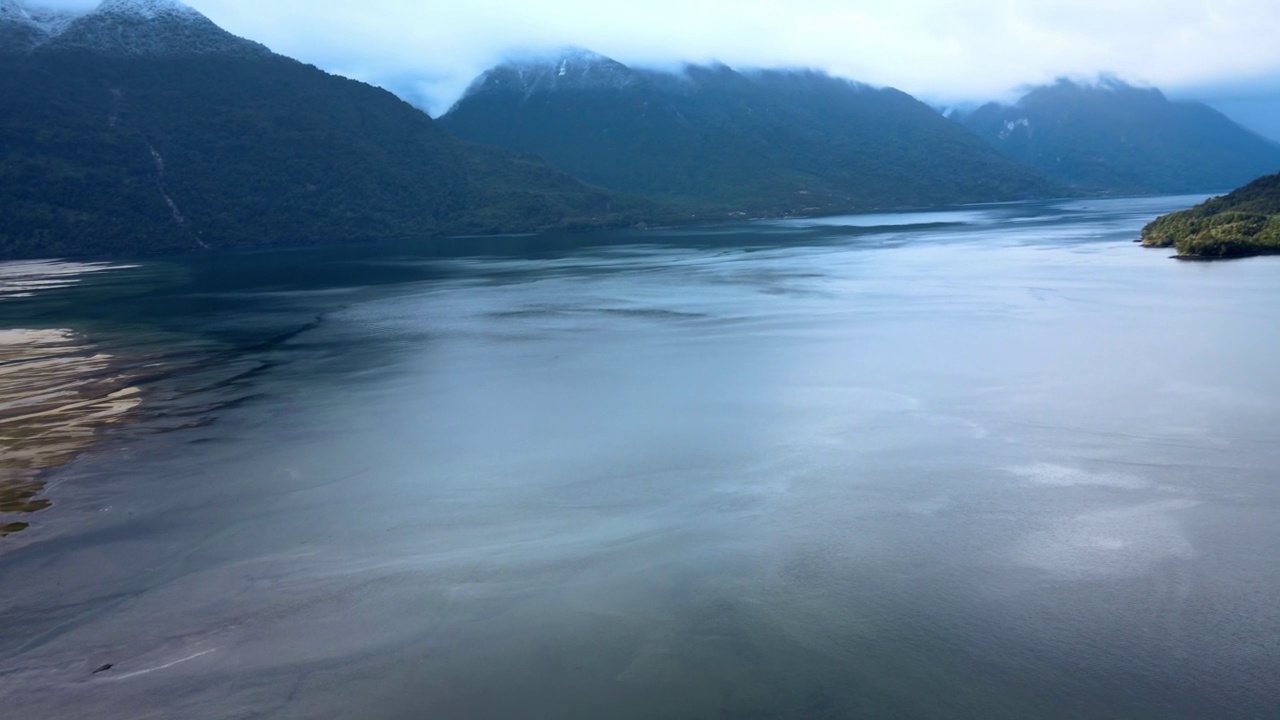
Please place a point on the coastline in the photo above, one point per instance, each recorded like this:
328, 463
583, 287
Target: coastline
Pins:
57, 392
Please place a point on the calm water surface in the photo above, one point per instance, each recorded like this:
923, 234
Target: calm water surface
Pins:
990, 463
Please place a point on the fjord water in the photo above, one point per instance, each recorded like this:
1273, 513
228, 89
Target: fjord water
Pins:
990, 463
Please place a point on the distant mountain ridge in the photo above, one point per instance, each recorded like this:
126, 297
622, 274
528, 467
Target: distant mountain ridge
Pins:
141, 126
575, 69
769, 142
1118, 138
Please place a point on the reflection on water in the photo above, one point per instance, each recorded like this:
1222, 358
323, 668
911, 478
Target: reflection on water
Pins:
889, 220
1012, 468
25, 278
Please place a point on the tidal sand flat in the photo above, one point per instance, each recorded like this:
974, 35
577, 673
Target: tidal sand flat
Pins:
57, 392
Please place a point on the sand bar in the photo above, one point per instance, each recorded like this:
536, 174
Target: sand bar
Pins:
57, 392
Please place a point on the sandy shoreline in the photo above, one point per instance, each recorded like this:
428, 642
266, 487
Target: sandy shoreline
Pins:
56, 393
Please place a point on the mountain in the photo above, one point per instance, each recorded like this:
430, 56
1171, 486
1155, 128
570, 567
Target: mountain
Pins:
1244, 222
142, 127
22, 28
1117, 138
150, 28
769, 142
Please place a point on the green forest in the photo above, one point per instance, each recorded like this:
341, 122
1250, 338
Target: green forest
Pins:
103, 155
1117, 139
1241, 223
759, 143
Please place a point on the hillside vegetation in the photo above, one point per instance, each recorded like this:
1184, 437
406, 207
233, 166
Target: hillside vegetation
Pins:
1117, 139
762, 142
106, 152
1243, 222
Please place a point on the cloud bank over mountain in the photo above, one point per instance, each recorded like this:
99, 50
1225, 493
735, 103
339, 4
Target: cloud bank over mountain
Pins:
943, 50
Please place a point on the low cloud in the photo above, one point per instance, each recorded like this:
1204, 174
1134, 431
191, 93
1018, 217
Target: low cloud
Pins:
943, 50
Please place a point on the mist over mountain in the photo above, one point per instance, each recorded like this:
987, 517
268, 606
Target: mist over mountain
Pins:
142, 126
1259, 114
769, 142
1118, 138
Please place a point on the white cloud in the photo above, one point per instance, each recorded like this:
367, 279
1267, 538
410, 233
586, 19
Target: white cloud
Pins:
938, 49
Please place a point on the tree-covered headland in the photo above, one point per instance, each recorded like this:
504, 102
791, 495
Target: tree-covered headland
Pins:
1241, 223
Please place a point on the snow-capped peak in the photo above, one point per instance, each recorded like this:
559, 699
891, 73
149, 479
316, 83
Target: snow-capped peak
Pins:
571, 68
149, 9
52, 22
151, 28
48, 20
23, 27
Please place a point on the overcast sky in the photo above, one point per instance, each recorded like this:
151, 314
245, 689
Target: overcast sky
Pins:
939, 50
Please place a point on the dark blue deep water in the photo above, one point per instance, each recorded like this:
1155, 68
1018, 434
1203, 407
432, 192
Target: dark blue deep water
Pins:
992, 463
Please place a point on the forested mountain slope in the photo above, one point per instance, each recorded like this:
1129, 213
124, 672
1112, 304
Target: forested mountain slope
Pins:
1112, 137
143, 127
768, 142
